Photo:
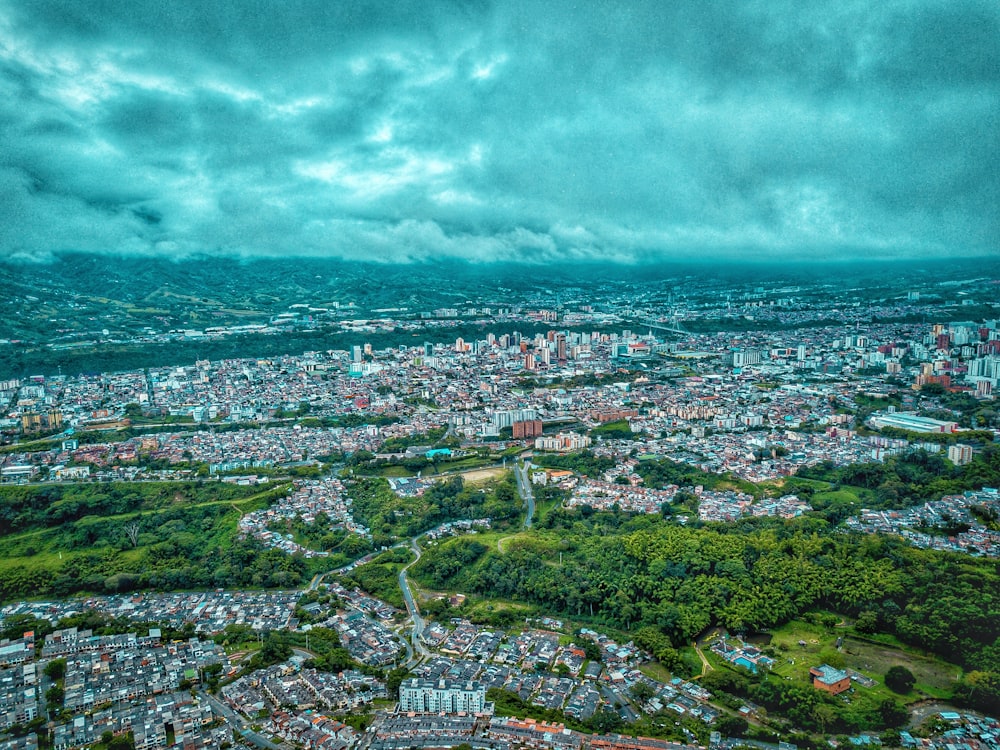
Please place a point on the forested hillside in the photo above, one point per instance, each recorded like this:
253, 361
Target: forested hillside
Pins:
642, 572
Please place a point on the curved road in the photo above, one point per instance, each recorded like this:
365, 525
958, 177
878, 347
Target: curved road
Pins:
415, 649
418, 651
239, 723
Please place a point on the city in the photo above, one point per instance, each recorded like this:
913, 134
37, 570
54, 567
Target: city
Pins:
505, 375
692, 428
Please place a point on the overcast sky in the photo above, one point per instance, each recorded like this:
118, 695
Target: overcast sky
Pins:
522, 131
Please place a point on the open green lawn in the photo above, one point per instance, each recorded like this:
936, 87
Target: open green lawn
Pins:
656, 670
843, 495
498, 612
43, 547
934, 676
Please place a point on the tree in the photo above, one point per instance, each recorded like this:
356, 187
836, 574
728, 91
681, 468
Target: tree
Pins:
732, 726
899, 679
274, 649
867, 622
892, 713
132, 532
56, 669
980, 690
590, 649
394, 680
642, 691
54, 696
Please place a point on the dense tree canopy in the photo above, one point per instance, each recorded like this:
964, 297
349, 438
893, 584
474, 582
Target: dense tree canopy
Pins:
641, 572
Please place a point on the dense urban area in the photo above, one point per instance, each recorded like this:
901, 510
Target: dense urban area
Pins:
587, 511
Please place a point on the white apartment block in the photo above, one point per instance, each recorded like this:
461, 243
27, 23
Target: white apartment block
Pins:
442, 696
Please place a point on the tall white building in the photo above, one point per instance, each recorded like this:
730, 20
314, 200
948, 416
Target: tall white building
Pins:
442, 696
507, 417
747, 357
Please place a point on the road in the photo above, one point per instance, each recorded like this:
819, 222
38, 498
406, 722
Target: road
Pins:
418, 650
318, 578
239, 723
524, 490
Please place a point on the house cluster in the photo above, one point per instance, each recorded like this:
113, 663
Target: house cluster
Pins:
287, 685
311, 731
117, 684
19, 695
539, 669
617, 658
402, 731
956, 523
410, 486
209, 611
359, 600
680, 696
106, 669
966, 731
189, 721
17, 650
607, 495
369, 641
310, 498
466, 638
730, 506
459, 527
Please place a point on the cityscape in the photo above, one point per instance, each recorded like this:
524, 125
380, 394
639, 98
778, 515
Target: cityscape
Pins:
499, 375
603, 408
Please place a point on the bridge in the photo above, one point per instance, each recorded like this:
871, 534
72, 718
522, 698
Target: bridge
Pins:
671, 326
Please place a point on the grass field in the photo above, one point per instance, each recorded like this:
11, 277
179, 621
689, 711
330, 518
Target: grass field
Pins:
92, 550
479, 475
656, 670
497, 610
934, 676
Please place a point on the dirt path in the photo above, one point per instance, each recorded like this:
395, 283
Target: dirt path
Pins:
705, 666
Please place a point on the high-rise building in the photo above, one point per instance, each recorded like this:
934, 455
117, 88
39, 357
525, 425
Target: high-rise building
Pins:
527, 428
960, 454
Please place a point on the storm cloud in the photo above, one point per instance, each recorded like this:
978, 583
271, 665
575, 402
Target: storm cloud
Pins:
501, 131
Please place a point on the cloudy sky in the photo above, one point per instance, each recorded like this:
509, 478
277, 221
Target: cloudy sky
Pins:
509, 130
